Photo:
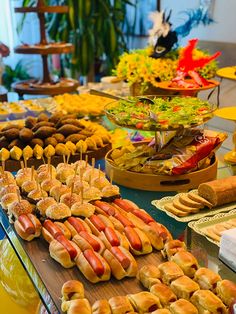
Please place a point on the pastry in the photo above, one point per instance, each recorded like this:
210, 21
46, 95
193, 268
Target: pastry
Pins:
148, 275
72, 290
93, 266
182, 306
206, 278
121, 262
144, 302
80, 306
101, 307
171, 247
164, 293
184, 287
219, 192
226, 290
206, 302
120, 305
169, 272
186, 261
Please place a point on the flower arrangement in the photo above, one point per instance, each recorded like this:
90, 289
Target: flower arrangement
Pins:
138, 67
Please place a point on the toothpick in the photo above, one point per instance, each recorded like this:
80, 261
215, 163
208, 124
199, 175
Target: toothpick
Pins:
22, 165
50, 171
111, 176
76, 169
82, 194
68, 158
1, 170
3, 166
44, 161
32, 173
64, 158
81, 152
86, 161
18, 194
99, 172
72, 188
90, 179
25, 162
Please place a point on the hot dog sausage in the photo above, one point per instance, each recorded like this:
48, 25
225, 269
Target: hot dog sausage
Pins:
109, 209
142, 215
53, 229
97, 222
94, 262
122, 258
95, 244
76, 224
133, 238
67, 245
112, 236
27, 224
125, 221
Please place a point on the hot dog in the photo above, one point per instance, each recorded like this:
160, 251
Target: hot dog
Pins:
139, 242
91, 240
98, 223
161, 230
85, 240
28, 227
143, 215
50, 230
107, 208
93, 266
64, 251
127, 205
121, 261
112, 236
76, 225
125, 221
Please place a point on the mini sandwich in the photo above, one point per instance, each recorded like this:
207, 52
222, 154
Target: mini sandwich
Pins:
28, 227
184, 287
72, 290
83, 210
80, 306
8, 199
58, 212
149, 275
183, 307
187, 262
169, 272
172, 247
43, 205
226, 290
144, 302
51, 230
120, 304
101, 307
121, 262
164, 293
93, 266
206, 302
64, 251
18, 208
207, 279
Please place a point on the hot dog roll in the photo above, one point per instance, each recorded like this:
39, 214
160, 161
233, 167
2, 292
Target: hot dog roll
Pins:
72, 290
76, 225
106, 207
206, 302
161, 311
101, 307
121, 262
93, 266
164, 293
187, 262
96, 224
120, 305
207, 279
138, 241
161, 230
171, 247
144, 302
64, 251
148, 275
182, 306
83, 210
169, 272
184, 287
226, 290
28, 227
111, 237
139, 223
65, 231
86, 240
117, 224
80, 306
154, 235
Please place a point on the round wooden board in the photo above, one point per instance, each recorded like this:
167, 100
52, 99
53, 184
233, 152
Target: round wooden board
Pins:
14, 165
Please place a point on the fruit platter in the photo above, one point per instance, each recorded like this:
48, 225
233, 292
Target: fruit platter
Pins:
160, 114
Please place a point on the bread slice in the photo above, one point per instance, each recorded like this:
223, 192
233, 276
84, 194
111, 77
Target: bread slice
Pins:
186, 200
197, 198
184, 208
170, 208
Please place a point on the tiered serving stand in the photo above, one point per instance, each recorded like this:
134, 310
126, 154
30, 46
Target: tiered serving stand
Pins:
46, 86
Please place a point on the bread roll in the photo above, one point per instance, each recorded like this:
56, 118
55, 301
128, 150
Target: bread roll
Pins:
226, 290
149, 275
187, 262
80, 306
101, 307
169, 272
164, 293
183, 307
219, 192
206, 302
72, 290
172, 247
184, 287
206, 278
120, 305
144, 302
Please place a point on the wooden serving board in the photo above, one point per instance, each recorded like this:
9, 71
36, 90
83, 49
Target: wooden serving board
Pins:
54, 275
14, 165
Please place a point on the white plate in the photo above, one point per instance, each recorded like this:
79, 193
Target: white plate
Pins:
159, 204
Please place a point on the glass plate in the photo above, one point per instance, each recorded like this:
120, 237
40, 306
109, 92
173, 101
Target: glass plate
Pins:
180, 114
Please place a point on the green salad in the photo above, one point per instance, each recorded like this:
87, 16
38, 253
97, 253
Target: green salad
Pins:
167, 113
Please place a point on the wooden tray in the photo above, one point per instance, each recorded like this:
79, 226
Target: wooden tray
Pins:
14, 165
200, 225
46, 50
152, 182
159, 204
